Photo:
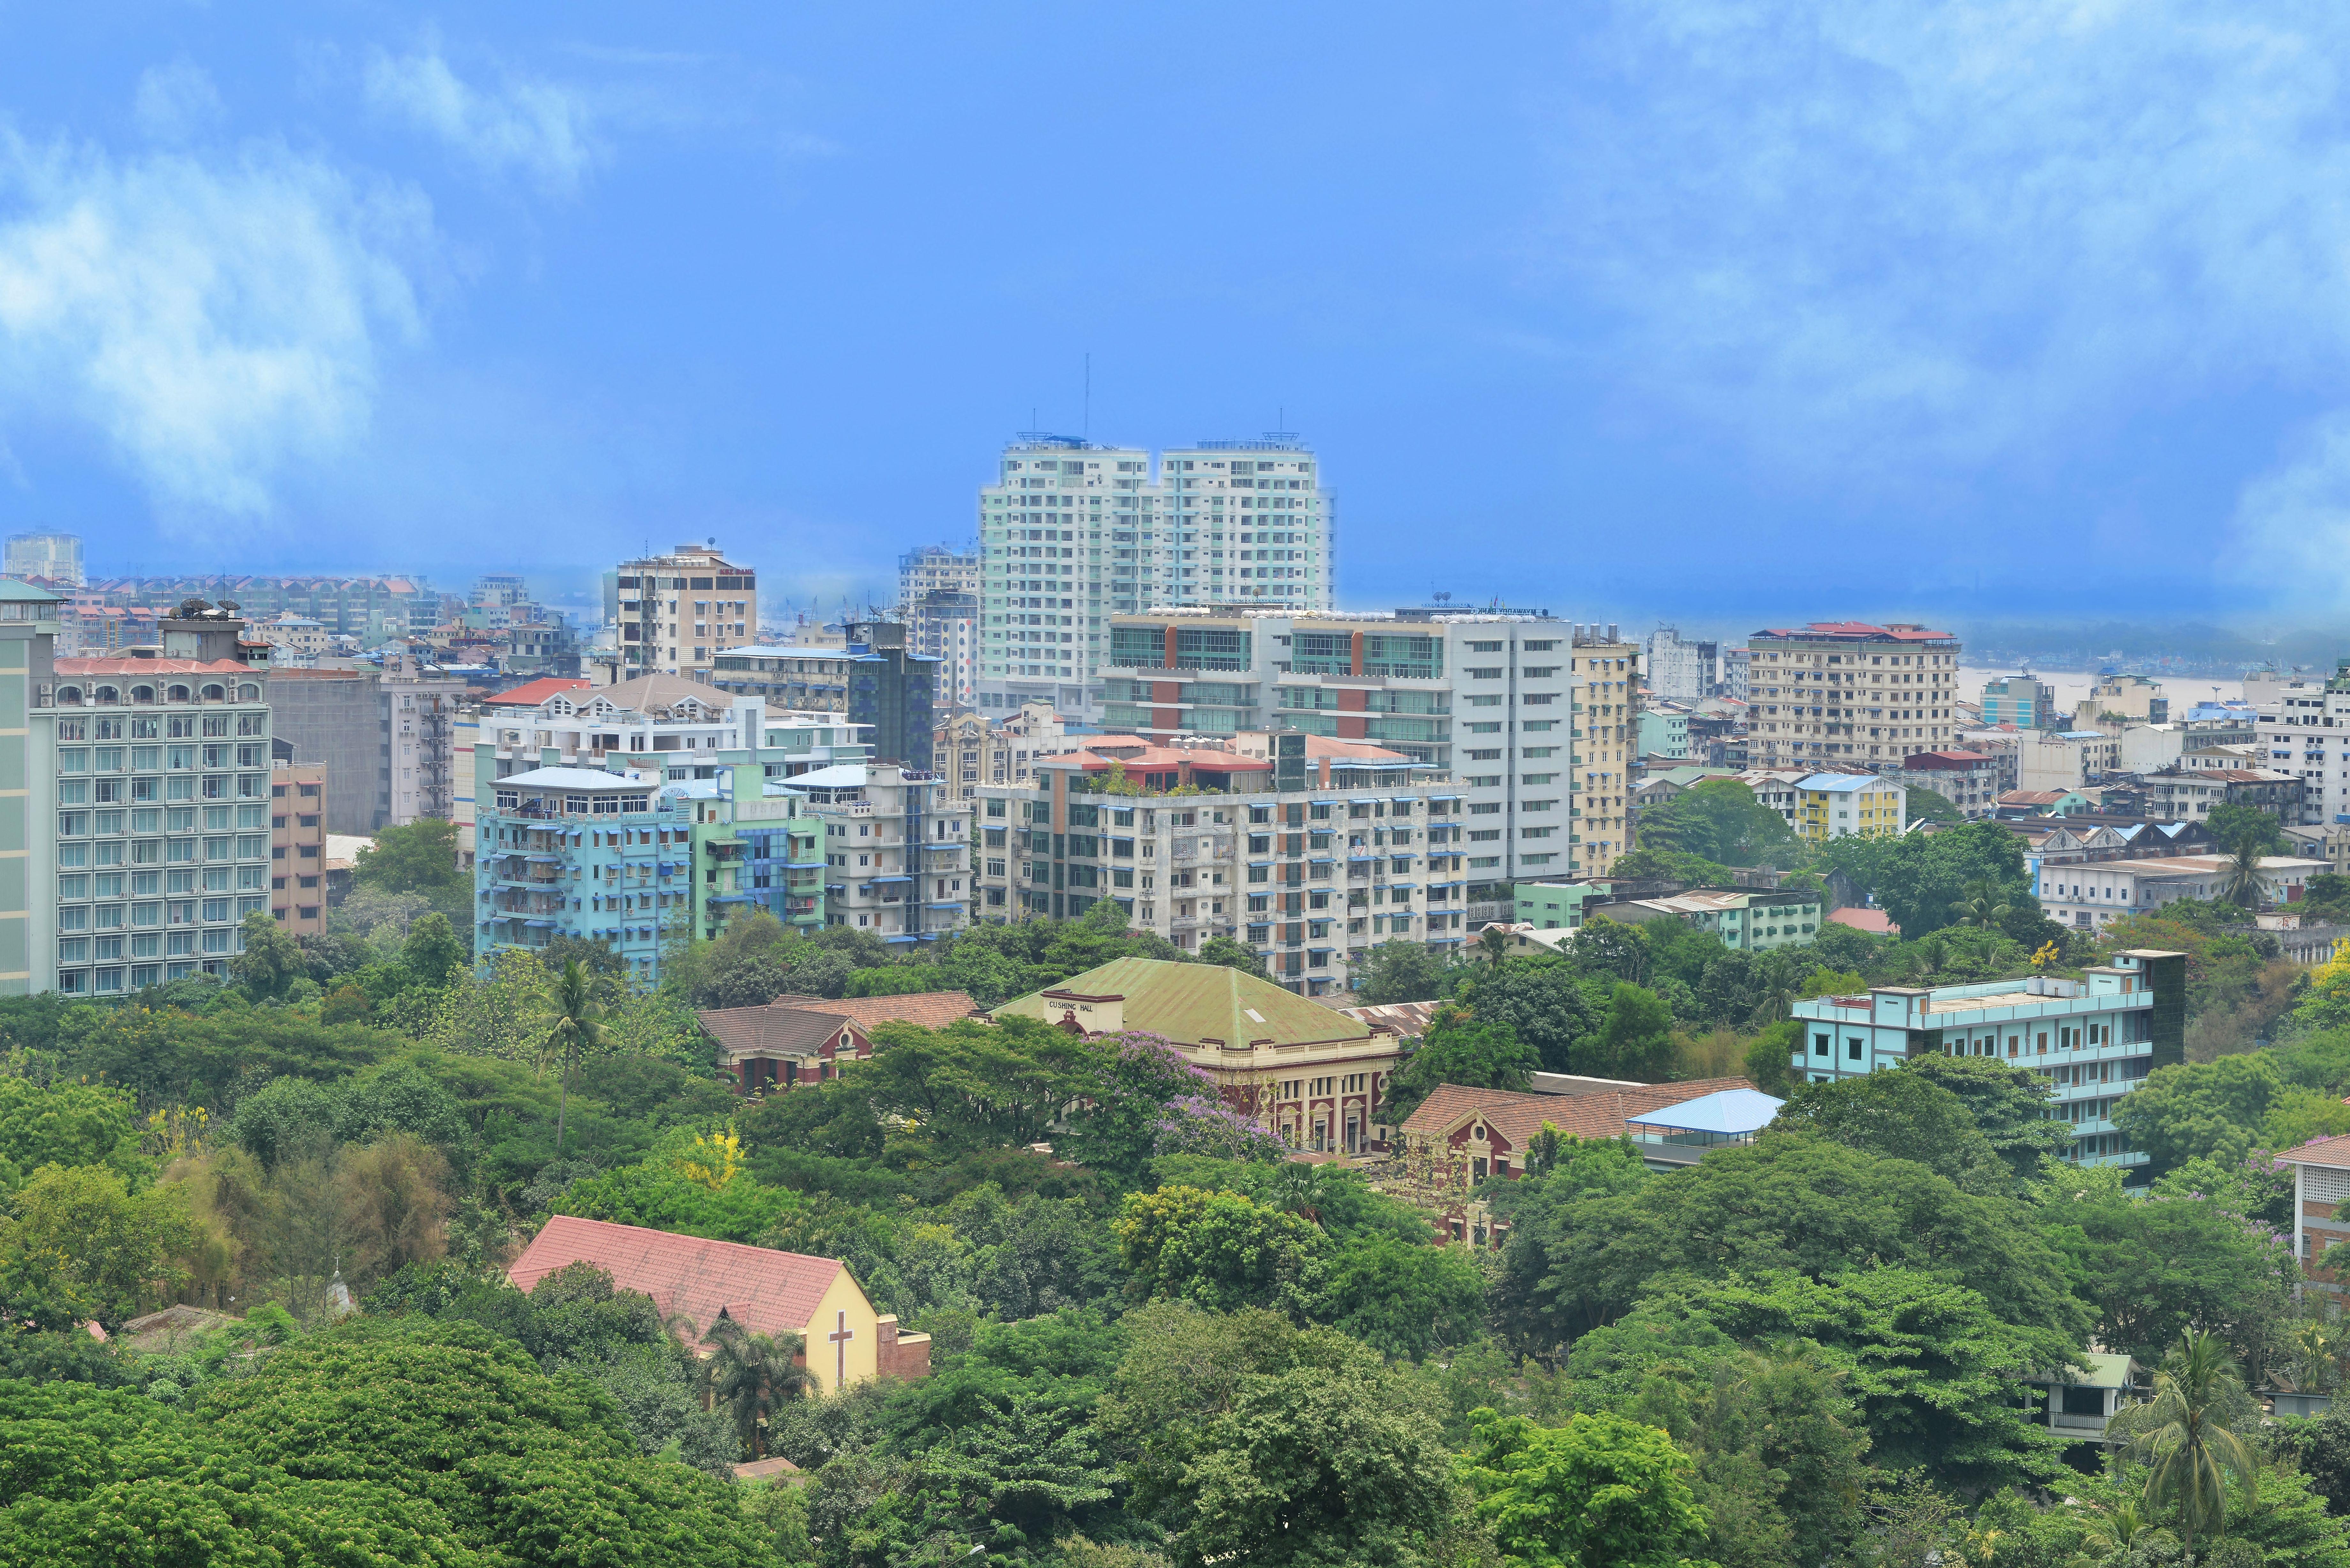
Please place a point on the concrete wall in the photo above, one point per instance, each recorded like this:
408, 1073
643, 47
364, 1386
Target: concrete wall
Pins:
333, 716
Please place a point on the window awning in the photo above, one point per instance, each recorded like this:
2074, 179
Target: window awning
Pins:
891, 878
1362, 800
1444, 797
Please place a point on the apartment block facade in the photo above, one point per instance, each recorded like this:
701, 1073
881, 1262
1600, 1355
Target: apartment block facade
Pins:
2303, 729
2090, 1041
1849, 805
162, 831
674, 613
297, 846
1071, 533
1310, 877
974, 751
877, 678
897, 850
1530, 714
2025, 701
584, 853
939, 604
1847, 691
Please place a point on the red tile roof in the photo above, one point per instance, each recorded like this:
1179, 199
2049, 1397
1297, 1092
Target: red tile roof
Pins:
930, 1009
2334, 1152
765, 1291
1876, 922
533, 693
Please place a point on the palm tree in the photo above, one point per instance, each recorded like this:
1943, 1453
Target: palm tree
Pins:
1982, 904
1494, 943
2117, 1529
2239, 881
754, 1376
1783, 977
578, 1028
2184, 1434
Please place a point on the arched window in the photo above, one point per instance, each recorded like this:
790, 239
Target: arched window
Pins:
248, 693
143, 694
107, 694
69, 696
177, 694
215, 692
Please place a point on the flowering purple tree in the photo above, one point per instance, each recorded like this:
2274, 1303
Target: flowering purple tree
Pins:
1150, 1099
1204, 1123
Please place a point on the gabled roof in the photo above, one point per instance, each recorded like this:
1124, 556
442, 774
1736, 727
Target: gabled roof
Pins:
770, 1031
1519, 1118
535, 693
930, 1009
1197, 1003
765, 1291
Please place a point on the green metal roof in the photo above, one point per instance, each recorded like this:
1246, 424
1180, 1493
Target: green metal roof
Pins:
15, 592
1194, 1002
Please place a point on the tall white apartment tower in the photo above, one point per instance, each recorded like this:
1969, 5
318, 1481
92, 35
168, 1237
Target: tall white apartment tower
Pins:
1249, 524
1073, 532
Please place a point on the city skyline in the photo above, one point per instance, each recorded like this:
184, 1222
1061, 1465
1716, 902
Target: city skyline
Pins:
570, 282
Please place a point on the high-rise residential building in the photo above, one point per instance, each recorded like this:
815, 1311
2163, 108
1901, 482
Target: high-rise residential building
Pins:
28, 785
53, 557
939, 604
1313, 860
1848, 693
162, 783
2300, 731
1491, 697
1682, 670
1604, 668
1071, 533
675, 612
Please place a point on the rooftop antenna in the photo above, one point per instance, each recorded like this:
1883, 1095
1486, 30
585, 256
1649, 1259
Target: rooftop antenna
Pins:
1086, 421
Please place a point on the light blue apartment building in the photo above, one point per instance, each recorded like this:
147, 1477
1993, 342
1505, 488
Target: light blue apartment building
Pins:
2091, 1040
582, 852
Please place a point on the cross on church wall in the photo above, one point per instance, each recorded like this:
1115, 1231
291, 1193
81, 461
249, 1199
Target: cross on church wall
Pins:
840, 1336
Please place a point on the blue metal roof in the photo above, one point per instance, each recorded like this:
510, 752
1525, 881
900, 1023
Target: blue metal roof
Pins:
1724, 1111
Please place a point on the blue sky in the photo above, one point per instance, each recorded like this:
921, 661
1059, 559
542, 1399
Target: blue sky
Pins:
1728, 311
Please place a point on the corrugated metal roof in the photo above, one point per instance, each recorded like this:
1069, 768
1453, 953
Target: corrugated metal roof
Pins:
1193, 1002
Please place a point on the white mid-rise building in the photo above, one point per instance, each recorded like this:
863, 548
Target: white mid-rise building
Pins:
2303, 729
1071, 533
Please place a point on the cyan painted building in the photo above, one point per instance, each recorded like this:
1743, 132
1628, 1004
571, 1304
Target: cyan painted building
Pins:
756, 845
2091, 1040
584, 853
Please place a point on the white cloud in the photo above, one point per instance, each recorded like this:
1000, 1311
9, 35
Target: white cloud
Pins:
532, 127
1866, 236
177, 103
215, 321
